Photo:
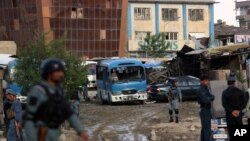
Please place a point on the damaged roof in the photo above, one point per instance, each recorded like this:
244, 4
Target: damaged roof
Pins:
222, 29
176, 1
241, 48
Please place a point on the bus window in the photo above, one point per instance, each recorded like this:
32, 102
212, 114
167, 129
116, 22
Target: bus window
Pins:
91, 68
125, 74
100, 73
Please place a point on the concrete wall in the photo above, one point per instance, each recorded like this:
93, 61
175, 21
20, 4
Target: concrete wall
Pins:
183, 25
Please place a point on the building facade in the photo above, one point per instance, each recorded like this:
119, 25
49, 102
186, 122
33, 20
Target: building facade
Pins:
93, 28
177, 19
243, 13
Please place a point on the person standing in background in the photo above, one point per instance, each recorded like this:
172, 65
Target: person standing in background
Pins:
14, 115
205, 99
6, 105
233, 101
174, 98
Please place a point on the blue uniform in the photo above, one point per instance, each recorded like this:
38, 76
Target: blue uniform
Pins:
36, 97
6, 105
12, 131
205, 99
174, 96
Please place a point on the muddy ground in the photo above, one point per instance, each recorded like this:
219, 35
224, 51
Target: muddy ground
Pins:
135, 122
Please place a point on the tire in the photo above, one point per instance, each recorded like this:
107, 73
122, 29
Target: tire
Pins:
142, 102
109, 100
103, 102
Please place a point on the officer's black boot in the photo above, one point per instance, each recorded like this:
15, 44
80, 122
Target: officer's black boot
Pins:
171, 119
176, 120
176, 115
171, 116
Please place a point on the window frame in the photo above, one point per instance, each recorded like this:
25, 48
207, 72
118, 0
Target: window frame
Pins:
143, 33
196, 14
168, 16
142, 13
172, 36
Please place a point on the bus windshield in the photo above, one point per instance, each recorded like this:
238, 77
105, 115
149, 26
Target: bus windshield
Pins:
125, 74
91, 68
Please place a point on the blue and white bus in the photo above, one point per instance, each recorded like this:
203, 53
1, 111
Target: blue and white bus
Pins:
120, 80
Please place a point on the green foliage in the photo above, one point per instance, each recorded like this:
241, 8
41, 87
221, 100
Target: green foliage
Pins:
155, 46
28, 68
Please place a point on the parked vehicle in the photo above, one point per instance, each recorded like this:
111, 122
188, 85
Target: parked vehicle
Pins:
8, 63
120, 80
187, 84
91, 70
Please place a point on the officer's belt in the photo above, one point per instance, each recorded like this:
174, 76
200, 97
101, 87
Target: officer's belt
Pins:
206, 106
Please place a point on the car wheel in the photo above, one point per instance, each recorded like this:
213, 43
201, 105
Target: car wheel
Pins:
142, 102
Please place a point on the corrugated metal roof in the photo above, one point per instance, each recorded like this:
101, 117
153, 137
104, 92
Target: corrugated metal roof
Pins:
176, 1
195, 52
221, 30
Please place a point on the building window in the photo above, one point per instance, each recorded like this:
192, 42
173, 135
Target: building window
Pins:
196, 14
141, 35
171, 36
169, 14
16, 24
14, 3
76, 13
102, 34
108, 4
142, 13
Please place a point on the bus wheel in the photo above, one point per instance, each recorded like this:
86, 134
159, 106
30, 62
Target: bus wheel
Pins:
109, 100
103, 102
142, 102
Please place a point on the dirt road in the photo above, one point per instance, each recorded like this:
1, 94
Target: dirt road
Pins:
135, 122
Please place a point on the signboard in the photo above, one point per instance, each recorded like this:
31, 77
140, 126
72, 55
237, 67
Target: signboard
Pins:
242, 38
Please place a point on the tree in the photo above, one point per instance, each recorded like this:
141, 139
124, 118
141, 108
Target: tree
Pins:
155, 45
28, 66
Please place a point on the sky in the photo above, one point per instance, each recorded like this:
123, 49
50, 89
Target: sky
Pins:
225, 10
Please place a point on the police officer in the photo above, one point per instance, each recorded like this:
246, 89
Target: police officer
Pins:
233, 101
6, 105
47, 106
14, 115
205, 99
174, 96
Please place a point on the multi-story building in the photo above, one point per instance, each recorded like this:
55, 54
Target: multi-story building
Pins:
93, 28
243, 13
178, 19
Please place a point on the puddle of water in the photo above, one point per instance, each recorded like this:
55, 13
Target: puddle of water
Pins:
128, 135
92, 129
142, 138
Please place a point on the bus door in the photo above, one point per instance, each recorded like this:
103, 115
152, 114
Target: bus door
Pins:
105, 79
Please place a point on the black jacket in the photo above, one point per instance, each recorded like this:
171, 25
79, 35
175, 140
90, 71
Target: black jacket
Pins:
233, 99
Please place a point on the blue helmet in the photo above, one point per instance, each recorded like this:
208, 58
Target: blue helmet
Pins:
10, 92
51, 65
231, 77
